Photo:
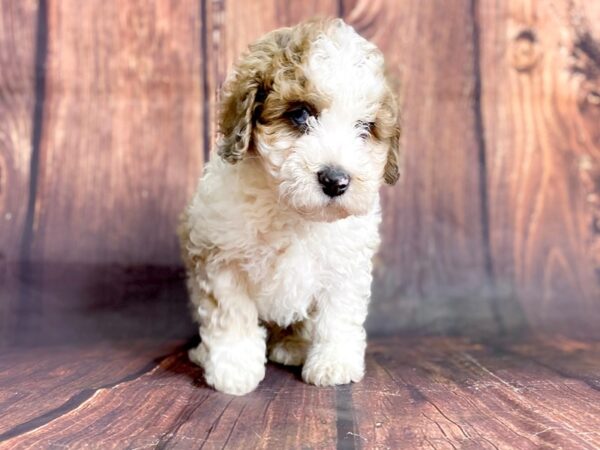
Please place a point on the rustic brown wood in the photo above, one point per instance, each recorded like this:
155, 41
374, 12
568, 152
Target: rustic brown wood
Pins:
120, 149
569, 358
433, 270
540, 65
430, 392
40, 381
495, 221
18, 30
483, 397
18, 22
169, 406
122, 141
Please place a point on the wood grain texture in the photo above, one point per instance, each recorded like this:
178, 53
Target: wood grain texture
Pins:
121, 148
482, 397
122, 141
493, 228
170, 407
433, 272
540, 64
418, 393
17, 101
19, 78
65, 375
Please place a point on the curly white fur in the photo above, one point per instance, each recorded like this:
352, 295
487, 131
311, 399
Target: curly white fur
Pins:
265, 247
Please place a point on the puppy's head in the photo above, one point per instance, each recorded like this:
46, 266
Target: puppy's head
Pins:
313, 104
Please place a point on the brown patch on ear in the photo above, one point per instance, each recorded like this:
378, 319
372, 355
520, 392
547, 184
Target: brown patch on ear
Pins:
237, 116
387, 130
391, 173
244, 93
271, 66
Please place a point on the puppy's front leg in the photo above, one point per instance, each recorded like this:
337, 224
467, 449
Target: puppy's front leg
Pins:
233, 348
337, 351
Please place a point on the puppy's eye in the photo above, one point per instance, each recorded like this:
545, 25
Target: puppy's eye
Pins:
299, 116
365, 128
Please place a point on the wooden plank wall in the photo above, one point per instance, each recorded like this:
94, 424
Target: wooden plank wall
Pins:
540, 72
435, 259
20, 81
107, 114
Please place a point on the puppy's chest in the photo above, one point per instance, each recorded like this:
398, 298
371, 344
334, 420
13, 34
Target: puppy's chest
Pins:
286, 277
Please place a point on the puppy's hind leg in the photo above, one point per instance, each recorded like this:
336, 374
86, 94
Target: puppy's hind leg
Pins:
289, 346
232, 349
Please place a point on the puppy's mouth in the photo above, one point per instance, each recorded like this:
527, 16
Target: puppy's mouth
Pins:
331, 211
335, 204
336, 211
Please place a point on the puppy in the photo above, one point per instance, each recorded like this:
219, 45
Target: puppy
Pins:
280, 234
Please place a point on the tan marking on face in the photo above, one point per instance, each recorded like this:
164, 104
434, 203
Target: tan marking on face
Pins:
261, 84
270, 79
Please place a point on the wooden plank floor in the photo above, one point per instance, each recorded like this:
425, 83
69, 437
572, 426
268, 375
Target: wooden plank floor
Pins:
418, 393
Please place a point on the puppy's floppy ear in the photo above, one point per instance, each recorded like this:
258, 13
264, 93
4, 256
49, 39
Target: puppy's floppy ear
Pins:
388, 128
391, 172
244, 93
237, 112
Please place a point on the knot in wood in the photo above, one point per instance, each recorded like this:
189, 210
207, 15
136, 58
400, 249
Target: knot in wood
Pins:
526, 51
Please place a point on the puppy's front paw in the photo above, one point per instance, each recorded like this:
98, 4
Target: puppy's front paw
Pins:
326, 367
235, 379
235, 369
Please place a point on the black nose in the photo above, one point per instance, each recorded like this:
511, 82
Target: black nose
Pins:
333, 180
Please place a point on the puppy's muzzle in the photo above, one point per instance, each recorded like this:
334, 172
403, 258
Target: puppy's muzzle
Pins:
333, 180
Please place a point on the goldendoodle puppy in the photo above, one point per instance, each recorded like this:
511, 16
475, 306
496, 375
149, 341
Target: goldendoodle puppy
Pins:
279, 237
